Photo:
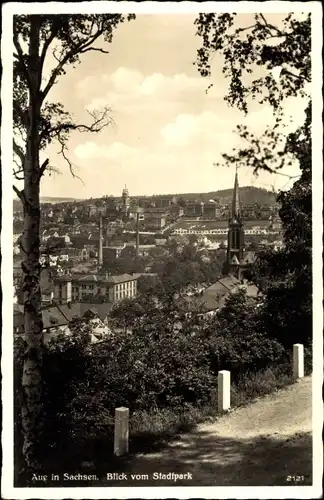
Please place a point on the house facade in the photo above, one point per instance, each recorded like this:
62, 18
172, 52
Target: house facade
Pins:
107, 288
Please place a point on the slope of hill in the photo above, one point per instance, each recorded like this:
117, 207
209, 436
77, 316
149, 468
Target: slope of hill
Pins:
248, 195
53, 199
45, 199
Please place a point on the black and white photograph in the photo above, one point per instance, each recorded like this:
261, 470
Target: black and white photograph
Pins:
161, 250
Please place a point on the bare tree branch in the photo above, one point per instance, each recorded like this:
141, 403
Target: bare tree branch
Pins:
63, 151
19, 152
17, 172
298, 77
270, 26
18, 193
286, 175
96, 49
101, 120
20, 169
43, 167
47, 43
73, 52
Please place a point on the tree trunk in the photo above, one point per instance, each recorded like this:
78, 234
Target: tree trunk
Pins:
32, 368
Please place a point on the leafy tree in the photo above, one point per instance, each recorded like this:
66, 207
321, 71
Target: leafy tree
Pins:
181, 202
241, 343
148, 284
286, 275
37, 123
261, 44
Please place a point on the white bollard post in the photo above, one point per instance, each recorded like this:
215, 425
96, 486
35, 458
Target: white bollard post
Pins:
121, 431
298, 361
224, 390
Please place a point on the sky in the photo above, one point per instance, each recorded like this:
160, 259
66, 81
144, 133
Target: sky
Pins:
168, 132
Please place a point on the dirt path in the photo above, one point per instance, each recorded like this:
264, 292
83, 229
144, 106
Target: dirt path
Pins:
258, 445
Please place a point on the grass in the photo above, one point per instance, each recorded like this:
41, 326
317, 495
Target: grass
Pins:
152, 430
255, 385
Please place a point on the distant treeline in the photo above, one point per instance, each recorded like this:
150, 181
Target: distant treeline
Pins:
249, 195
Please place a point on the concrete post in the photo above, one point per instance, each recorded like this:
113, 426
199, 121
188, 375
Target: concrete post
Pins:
298, 361
121, 431
224, 390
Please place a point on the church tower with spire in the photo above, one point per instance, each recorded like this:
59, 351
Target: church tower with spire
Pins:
235, 241
125, 200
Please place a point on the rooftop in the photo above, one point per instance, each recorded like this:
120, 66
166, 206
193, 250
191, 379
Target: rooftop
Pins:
62, 315
214, 296
95, 278
203, 224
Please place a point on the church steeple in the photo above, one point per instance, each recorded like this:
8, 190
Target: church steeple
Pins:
235, 241
236, 206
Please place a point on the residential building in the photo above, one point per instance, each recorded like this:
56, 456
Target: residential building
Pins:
112, 252
154, 220
63, 289
103, 287
57, 318
193, 209
212, 298
162, 201
209, 210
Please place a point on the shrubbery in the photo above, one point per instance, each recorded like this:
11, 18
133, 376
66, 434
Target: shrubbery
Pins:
157, 367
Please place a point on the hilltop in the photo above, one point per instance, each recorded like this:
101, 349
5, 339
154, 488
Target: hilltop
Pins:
248, 195
46, 199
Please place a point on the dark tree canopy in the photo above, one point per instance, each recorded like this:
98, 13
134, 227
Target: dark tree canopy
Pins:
286, 275
262, 43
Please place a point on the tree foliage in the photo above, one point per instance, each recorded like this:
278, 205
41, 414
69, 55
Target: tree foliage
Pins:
286, 275
163, 359
265, 44
182, 263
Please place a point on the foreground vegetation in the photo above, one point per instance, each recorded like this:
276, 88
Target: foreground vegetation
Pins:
164, 371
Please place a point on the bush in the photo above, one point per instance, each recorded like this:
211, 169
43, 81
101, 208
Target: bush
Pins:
237, 340
164, 371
